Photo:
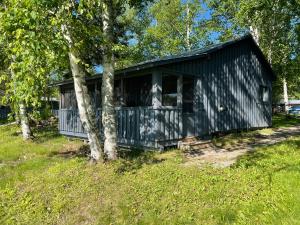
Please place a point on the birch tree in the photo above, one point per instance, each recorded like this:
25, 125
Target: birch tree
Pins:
171, 27
116, 23
108, 110
28, 60
86, 26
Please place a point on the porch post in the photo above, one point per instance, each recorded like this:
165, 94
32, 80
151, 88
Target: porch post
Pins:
198, 106
156, 104
179, 105
122, 92
156, 89
179, 92
96, 97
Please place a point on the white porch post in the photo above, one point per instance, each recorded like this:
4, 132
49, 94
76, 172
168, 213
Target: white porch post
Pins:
156, 104
179, 105
179, 92
156, 89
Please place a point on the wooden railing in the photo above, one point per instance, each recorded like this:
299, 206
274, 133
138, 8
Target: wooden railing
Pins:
139, 126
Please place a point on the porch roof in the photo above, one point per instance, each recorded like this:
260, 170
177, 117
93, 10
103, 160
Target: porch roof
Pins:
198, 53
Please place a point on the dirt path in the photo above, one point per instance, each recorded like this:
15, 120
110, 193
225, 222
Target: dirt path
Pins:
224, 157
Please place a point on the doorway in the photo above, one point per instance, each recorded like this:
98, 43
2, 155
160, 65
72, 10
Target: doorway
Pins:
188, 109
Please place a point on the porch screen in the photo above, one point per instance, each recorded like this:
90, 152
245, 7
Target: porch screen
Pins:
68, 99
138, 91
169, 90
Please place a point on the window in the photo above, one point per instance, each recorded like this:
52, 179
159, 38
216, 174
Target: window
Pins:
169, 90
264, 94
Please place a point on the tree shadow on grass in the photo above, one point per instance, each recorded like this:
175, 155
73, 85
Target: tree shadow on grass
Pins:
41, 135
82, 151
45, 134
131, 160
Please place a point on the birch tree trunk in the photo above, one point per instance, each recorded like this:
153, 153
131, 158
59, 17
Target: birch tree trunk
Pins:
21, 114
188, 27
85, 107
285, 94
26, 131
255, 33
108, 109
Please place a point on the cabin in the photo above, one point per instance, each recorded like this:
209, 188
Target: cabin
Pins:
221, 88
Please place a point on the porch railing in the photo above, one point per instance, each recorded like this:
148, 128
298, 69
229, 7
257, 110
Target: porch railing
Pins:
141, 126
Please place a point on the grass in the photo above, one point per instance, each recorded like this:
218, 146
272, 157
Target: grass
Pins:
281, 120
45, 182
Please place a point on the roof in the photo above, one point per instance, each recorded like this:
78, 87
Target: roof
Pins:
198, 53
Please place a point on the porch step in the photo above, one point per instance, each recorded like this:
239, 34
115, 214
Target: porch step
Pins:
195, 145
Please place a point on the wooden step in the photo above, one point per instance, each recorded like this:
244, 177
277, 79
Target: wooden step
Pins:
195, 145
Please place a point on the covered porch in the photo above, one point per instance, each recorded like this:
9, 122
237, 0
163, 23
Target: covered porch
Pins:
154, 109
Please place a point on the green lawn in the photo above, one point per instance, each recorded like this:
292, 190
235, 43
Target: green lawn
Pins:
281, 120
45, 182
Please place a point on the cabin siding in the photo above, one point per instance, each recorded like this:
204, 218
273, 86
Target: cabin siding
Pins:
230, 78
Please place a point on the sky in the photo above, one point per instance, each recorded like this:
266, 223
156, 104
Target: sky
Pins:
206, 15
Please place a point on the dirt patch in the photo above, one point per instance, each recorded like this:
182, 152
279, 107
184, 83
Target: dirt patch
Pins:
225, 156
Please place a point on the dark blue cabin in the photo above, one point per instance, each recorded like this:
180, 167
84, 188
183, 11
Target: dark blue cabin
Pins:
221, 88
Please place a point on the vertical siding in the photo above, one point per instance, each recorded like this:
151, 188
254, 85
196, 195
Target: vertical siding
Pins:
231, 78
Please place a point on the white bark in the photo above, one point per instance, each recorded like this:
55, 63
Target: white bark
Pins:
21, 114
255, 33
85, 106
26, 131
108, 109
188, 27
285, 94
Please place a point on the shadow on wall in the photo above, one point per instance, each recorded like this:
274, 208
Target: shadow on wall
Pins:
232, 82
229, 99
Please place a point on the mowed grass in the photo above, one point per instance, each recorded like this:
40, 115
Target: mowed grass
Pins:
235, 138
43, 182
282, 120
